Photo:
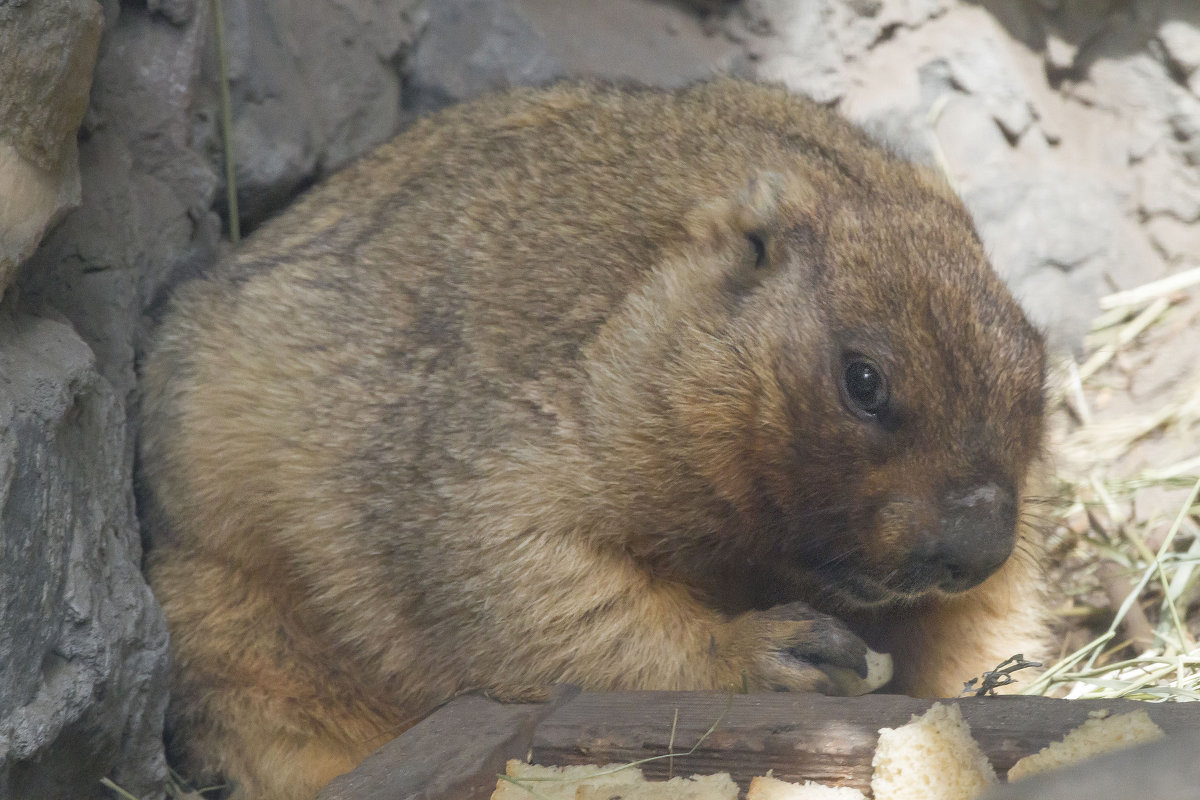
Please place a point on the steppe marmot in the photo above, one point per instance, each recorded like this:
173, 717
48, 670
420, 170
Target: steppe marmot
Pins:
611, 386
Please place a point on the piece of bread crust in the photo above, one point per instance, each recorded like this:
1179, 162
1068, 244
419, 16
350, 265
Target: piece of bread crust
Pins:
1096, 736
698, 787
768, 788
562, 783
933, 757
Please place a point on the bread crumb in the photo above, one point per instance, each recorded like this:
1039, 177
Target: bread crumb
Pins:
768, 788
698, 787
1100, 734
933, 757
561, 783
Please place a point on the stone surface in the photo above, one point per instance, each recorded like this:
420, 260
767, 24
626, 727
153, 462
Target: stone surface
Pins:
798, 46
1166, 770
147, 192
91, 701
468, 47
1068, 173
631, 40
32, 200
47, 51
82, 642
1054, 235
313, 85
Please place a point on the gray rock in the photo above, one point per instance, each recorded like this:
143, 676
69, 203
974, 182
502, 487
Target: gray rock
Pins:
1165, 187
46, 55
147, 193
82, 688
47, 51
630, 40
178, 12
469, 47
801, 49
983, 70
1164, 770
969, 137
1178, 242
1055, 236
1179, 35
82, 643
1183, 120
313, 85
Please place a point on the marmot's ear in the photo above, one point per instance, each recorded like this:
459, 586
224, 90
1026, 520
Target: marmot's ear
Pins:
758, 226
754, 209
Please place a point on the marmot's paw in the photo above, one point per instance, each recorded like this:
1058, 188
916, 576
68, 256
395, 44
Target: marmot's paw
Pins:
794, 648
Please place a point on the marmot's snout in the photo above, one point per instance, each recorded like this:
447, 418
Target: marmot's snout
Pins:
973, 538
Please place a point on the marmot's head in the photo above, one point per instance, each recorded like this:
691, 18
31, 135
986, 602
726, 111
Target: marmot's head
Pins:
860, 385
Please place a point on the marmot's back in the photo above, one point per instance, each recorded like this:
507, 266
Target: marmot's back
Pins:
623, 388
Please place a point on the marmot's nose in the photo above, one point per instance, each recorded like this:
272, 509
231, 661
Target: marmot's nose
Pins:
976, 536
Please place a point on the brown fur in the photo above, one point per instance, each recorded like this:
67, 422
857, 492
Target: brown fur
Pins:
514, 401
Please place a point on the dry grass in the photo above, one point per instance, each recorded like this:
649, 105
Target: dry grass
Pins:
1126, 442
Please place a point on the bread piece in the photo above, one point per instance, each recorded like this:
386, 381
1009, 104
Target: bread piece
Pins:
1096, 736
933, 757
768, 788
879, 672
561, 783
697, 787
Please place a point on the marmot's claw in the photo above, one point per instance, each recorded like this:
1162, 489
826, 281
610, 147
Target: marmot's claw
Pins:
800, 649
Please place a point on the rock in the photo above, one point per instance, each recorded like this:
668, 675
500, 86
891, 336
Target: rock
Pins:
147, 193
32, 200
1183, 121
1055, 237
82, 642
179, 12
629, 40
971, 142
1179, 36
802, 50
1163, 770
469, 47
1177, 241
313, 85
47, 51
1060, 53
1167, 188
82, 691
982, 69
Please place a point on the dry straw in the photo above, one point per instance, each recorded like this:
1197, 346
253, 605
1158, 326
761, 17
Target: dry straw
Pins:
1146, 564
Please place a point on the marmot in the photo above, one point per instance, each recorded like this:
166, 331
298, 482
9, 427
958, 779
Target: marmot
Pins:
611, 386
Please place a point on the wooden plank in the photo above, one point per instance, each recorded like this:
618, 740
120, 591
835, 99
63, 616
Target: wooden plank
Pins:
453, 754
800, 737
457, 752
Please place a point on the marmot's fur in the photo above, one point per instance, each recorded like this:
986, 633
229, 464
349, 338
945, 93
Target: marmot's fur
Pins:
616, 387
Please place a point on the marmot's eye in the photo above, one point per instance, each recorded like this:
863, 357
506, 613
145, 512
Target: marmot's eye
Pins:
760, 249
866, 386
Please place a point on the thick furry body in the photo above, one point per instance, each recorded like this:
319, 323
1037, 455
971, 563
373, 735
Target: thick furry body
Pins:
553, 388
